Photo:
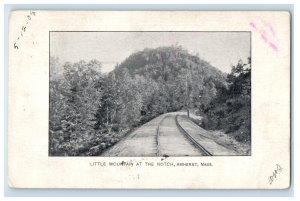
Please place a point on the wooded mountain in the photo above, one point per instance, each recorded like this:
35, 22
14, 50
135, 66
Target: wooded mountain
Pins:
155, 81
166, 64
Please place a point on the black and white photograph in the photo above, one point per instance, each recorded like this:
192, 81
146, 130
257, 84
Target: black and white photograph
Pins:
152, 94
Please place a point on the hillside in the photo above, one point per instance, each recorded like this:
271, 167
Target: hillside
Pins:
166, 63
165, 79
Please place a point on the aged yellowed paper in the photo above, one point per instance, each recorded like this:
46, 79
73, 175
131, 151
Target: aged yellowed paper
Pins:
149, 99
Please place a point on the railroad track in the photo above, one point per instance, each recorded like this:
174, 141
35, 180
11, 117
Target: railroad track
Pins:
157, 137
161, 137
191, 139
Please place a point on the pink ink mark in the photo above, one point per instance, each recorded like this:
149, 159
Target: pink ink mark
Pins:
252, 25
270, 27
272, 31
273, 46
266, 32
264, 37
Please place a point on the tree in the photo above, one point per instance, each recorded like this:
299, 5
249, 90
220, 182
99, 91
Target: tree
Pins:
230, 110
75, 100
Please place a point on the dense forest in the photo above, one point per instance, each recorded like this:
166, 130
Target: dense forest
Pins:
90, 111
230, 110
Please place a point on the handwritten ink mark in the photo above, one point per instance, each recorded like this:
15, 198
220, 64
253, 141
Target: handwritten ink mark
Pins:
15, 46
275, 174
23, 28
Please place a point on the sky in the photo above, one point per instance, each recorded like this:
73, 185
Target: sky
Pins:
220, 49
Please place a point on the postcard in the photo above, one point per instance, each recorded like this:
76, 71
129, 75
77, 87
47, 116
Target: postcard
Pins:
149, 99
